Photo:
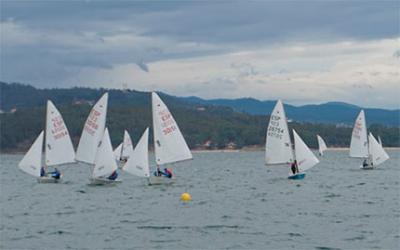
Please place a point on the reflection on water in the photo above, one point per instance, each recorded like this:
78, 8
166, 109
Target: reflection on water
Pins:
237, 203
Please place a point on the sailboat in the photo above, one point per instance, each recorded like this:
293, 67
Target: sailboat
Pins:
366, 147
124, 149
91, 147
58, 147
321, 145
278, 146
105, 163
169, 144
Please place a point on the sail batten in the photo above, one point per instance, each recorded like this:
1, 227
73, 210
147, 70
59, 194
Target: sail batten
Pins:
169, 144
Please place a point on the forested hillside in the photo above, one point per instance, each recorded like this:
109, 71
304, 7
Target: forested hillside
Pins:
218, 125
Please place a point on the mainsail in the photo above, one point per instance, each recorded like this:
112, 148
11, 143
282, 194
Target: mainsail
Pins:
93, 131
58, 145
321, 145
127, 147
278, 148
359, 141
105, 162
169, 144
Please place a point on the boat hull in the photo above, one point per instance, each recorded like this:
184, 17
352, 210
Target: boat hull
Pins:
160, 180
369, 167
102, 181
48, 179
298, 176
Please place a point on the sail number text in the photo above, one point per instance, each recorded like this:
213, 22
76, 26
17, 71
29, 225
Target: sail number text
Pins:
273, 129
58, 130
167, 122
91, 124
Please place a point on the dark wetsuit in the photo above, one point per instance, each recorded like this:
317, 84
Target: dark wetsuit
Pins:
56, 174
113, 176
42, 172
167, 173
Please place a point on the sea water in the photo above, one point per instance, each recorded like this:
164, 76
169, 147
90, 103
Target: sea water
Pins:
238, 203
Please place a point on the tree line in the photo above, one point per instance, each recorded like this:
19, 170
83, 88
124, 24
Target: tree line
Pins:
218, 125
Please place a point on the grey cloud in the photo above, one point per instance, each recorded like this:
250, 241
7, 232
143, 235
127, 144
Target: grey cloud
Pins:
76, 34
143, 66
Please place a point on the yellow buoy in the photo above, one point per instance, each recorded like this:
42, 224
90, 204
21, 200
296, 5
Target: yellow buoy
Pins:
186, 197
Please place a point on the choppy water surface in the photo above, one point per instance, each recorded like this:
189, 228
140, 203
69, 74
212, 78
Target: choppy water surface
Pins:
238, 203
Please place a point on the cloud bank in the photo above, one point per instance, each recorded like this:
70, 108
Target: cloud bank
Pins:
301, 52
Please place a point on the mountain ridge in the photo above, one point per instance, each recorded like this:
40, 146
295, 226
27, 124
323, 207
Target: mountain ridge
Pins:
15, 95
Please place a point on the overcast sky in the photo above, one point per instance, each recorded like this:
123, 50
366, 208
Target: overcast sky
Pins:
299, 51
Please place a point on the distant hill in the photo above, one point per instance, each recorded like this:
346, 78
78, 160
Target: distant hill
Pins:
331, 112
204, 124
19, 95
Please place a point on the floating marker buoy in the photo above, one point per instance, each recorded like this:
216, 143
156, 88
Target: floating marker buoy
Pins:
186, 197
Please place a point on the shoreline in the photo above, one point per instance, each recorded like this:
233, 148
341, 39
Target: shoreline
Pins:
245, 149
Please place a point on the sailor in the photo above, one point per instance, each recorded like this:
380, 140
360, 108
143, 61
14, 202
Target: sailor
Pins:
113, 176
167, 173
158, 172
56, 174
294, 167
42, 172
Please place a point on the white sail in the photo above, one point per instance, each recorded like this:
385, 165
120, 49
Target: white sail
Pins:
127, 147
359, 141
278, 148
379, 140
58, 145
93, 131
138, 162
321, 145
377, 153
117, 152
305, 158
169, 144
32, 160
105, 162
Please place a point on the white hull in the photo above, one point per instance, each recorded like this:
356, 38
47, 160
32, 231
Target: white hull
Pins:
369, 167
48, 179
102, 181
161, 180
